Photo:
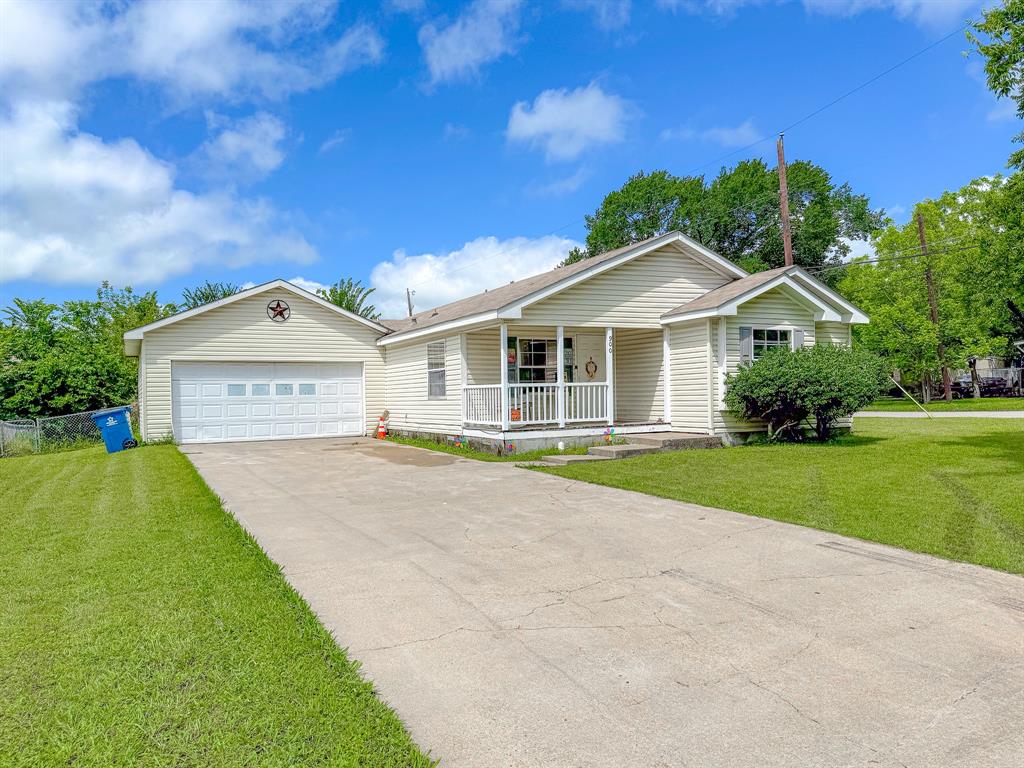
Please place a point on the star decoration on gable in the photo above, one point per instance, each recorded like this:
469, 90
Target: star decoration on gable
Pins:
278, 311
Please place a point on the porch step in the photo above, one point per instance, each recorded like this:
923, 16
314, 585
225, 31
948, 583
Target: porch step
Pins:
622, 451
561, 460
674, 441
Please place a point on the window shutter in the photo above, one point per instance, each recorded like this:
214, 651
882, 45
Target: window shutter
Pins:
798, 339
746, 344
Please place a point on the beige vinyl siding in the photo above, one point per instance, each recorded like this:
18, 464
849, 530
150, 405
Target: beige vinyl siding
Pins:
638, 359
483, 353
689, 360
832, 333
633, 295
773, 309
241, 331
406, 396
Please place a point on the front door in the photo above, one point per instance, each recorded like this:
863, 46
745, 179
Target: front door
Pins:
590, 358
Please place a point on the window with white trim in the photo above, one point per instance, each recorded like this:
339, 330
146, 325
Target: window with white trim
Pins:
770, 338
436, 370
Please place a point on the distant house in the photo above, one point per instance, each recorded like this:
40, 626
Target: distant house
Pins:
640, 339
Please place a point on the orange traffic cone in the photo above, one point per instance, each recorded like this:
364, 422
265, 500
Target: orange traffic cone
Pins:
382, 428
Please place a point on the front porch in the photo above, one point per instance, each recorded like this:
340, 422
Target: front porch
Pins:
555, 378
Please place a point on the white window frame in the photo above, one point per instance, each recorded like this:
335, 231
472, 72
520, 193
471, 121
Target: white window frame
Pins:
433, 369
790, 340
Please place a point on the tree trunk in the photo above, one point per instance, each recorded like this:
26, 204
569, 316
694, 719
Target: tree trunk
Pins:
926, 388
975, 381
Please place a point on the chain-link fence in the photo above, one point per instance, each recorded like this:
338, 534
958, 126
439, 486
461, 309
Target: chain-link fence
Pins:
52, 433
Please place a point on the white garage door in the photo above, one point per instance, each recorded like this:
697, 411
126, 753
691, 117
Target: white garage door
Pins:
265, 401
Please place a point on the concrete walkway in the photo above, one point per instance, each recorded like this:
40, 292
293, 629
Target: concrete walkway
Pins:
941, 414
516, 619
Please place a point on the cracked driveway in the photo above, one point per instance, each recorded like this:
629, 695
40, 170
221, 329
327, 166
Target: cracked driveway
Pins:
513, 618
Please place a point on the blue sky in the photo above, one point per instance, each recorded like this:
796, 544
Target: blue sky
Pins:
441, 146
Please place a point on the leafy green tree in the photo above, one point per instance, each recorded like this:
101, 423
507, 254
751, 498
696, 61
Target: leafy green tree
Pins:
813, 386
63, 359
999, 37
977, 261
737, 215
351, 295
206, 293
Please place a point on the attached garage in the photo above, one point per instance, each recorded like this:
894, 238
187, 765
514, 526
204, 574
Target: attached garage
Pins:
216, 402
273, 362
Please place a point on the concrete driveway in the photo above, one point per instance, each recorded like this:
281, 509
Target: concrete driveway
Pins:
517, 619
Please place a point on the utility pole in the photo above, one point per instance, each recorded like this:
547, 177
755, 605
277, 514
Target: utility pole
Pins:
408, 299
787, 239
933, 306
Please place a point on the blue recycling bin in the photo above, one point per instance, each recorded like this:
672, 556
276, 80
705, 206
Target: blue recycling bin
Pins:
116, 428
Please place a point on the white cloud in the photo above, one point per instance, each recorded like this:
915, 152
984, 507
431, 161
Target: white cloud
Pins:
1004, 110
563, 186
406, 6
859, 248
335, 140
230, 49
608, 14
727, 136
566, 123
242, 150
307, 285
484, 32
77, 209
483, 263
930, 13
456, 132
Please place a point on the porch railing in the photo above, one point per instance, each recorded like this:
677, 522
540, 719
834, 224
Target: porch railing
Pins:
536, 403
481, 404
586, 401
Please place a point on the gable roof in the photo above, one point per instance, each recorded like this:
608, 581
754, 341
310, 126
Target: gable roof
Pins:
509, 299
724, 300
135, 335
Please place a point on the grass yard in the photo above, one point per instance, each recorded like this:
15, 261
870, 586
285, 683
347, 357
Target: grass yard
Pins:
141, 626
470, 453
966, 404
949, 487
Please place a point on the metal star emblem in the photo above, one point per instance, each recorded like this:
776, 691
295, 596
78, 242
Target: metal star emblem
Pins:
278, 311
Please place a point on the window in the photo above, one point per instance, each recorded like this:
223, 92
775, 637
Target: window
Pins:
538, 359
261, 390
765, 339
306, 390
435, 370
284, 389
236, 390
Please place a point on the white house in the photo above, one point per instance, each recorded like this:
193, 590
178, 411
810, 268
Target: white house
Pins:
640, 338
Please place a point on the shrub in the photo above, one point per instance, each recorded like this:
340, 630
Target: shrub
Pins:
816, 386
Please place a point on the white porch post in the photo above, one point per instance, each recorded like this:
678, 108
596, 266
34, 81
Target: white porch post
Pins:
609, 372
464, 369
504, 378
722, 354
666, 378
560, 392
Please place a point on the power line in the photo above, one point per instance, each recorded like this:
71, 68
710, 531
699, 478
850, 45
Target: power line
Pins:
727, 155
884, 259
836, 100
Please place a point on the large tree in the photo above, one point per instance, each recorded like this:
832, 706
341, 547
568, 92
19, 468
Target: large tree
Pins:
68, 358
999, 37
737, 214
976, 259
207, 292
351, 295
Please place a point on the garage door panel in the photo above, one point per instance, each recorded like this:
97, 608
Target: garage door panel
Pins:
257, 401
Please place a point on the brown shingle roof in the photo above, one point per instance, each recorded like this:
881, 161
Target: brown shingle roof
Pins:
726, 293
495, 299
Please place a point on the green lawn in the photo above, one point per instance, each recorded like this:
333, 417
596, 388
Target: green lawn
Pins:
949, 487
140, 626
966, 404
470, 453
